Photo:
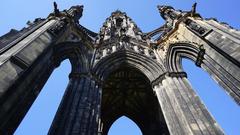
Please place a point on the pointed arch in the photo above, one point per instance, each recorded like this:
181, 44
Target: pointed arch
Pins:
202, 56
125, 89
76, 52
152, 69
178, 50
133, 123
20, 96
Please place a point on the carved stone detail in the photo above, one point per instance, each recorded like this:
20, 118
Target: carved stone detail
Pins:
58, 28
195, 27
200, 56
117, 71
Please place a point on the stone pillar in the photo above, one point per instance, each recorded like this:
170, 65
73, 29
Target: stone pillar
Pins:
221, 44
224, 73
79, 111
25, 65
183, 110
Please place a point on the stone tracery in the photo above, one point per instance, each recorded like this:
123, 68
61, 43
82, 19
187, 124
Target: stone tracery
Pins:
119, 60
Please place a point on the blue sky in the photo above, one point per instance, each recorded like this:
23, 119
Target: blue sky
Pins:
15, 14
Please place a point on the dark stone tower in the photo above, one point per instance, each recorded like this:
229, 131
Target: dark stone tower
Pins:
119, 71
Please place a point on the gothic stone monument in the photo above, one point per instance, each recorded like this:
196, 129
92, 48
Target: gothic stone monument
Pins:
119, 71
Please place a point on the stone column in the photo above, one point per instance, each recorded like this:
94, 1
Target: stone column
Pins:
224, 73
183, 110
79, 111
25, 65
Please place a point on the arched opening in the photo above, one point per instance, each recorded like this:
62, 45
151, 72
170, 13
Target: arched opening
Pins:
127, 92
216, 101
40, 116
124, 126
225, 111
222, 70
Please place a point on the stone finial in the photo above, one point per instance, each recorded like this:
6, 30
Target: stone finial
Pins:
76, 12
193, 11
162, 10
56, 10
168, 12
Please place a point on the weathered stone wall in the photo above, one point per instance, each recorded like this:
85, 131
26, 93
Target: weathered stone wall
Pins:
79, 110
27, 62
24, 69
214, 51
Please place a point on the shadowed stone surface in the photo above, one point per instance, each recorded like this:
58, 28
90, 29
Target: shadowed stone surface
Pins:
120, 71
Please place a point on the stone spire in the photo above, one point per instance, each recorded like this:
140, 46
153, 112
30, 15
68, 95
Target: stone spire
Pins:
169, 13
119, 25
